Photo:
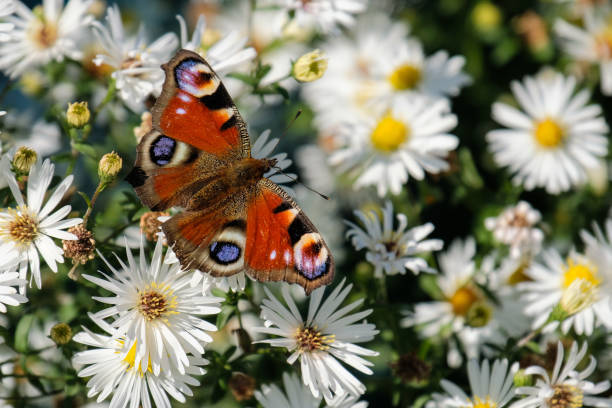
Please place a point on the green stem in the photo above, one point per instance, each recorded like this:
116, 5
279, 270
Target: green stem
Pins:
92, 203
110, 94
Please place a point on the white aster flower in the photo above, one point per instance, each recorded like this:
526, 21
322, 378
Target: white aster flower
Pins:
8, 292
390, 250
262, 148
7, 7
327, 15
491, 387
410, 140
555, 140
591, 43
113, 370
582, 284
48, 33
464, 309
225, 54
566, 386
319, 341
157, 310
296, 395
27, 231
515, 227
136, 65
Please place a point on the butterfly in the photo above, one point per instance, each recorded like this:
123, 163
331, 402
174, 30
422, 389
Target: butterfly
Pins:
198, 157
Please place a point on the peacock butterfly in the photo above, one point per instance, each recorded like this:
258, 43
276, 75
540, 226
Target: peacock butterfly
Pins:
198, 157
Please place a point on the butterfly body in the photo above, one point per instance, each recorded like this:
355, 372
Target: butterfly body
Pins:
198, 157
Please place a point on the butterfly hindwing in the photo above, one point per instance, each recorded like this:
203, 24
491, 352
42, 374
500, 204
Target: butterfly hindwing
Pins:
282, 243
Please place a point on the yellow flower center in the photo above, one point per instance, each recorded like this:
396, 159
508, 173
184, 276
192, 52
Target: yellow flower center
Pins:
477, 402
462, 300
603, 42
389, 134
405, 76
22, 229
519, 275
310, 339
130, 358
42, 32
156, 301
576, 271
566, 396
479, 314
548, 133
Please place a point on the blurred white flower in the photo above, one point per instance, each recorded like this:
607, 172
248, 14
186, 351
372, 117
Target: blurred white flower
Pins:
592, 42
515, 227
27, 231
319, 341
49, 32
327, 15
590, 274
566, 386
225, 54
7, 7
555, 139
409, 140
8, 293
135, 63
391, 250
113, 369
158, 312
464, 310
491, 387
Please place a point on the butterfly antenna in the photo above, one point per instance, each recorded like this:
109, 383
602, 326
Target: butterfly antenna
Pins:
291, 122
299, 182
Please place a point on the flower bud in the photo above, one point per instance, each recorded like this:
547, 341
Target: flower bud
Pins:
310, 67
479, 314
61, 334
579, 295
77, 114
486, 16
146, 125
24, 159
109, 167
81, 249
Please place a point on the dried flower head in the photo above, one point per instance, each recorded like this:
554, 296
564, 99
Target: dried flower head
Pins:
242, 386
411, 369
150, 224
82, 249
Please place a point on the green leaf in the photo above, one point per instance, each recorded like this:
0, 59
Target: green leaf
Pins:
419, 402
86, 149
225, 314
22, 331
85, 197
247, 79
429, 285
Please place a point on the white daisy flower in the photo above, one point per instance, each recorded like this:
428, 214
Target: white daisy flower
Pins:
225, 54
392, 251
49, 32
113, 370
555, 140
586, 278
7, 7
27, 231
368, 70
327, 15
410, 140
136, 65
262, 148
319, 341
464, 309
8, 293
157, 310
515, 227
491, 387
566, 386
296, 395
591, 43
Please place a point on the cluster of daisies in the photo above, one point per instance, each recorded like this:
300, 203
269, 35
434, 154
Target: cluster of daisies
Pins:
383, 108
